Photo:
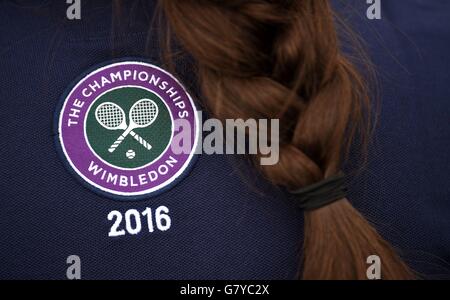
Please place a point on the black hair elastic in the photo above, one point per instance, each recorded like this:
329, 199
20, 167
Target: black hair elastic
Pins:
321, 193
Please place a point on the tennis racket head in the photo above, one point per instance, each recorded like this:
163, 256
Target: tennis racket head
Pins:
143, 113
111, 116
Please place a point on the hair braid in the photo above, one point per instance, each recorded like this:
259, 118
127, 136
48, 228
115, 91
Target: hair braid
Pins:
281, 59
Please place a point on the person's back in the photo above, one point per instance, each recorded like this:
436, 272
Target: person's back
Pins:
404, 189
226, 220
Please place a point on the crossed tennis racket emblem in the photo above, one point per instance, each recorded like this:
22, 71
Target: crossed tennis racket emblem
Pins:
112, 117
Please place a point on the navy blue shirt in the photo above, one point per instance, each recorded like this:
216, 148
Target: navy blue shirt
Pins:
226, 221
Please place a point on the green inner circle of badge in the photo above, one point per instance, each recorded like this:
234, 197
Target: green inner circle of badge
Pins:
129, 127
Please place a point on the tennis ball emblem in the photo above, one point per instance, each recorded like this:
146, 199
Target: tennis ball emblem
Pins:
116, 129
131, 154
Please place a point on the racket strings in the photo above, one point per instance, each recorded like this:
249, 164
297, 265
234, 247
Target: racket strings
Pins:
144, 113
110, 115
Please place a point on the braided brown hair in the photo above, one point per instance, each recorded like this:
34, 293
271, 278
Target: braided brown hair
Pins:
282, 59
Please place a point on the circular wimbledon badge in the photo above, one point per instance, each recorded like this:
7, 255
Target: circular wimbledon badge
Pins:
117, 128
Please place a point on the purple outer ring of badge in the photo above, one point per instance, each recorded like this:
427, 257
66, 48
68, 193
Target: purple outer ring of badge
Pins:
74, 143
